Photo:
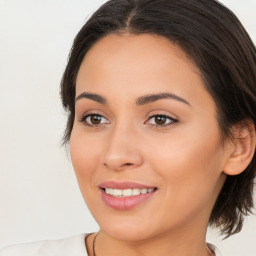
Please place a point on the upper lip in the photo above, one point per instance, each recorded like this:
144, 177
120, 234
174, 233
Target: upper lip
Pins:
123, 185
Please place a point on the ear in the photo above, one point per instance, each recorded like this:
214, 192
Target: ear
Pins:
241, 148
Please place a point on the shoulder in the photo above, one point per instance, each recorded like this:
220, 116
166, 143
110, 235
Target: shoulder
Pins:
214, 249
74, 246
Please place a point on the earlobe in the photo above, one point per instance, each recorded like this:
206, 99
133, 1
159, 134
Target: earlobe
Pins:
242, 148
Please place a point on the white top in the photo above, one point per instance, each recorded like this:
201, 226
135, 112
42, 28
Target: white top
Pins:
74, 246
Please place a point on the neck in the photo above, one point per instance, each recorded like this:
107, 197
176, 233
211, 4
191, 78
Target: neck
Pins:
189, 244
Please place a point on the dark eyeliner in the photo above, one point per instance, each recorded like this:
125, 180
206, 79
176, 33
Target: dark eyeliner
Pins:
173, 121
84, 116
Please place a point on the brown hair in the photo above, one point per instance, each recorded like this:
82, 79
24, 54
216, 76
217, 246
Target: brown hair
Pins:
219, 45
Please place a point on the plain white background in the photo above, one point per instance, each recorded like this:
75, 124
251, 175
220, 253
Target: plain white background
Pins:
39, 197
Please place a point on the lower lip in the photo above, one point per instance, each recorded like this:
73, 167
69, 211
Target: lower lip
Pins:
124, 203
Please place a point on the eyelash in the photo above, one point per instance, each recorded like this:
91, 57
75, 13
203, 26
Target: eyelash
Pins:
172, 120
84, 117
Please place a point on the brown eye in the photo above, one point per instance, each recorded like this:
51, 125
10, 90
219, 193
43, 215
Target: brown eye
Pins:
94, 119
160, 120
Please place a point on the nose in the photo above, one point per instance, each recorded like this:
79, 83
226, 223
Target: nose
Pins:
122, 150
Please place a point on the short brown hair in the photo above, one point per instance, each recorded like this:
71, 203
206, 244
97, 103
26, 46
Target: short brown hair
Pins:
219, 45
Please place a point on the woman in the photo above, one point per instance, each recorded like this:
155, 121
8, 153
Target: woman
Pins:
161, 99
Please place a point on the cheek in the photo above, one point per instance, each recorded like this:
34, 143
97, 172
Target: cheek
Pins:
84, 154
190, 166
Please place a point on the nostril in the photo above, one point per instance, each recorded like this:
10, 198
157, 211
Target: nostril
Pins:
127, 164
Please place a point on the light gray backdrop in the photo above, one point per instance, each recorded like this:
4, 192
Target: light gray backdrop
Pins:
39, 197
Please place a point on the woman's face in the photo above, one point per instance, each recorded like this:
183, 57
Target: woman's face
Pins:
145, 145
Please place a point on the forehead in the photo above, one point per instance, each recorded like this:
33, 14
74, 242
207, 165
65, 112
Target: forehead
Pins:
148, 49
139, 64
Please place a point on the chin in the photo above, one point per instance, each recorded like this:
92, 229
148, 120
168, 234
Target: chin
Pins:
131, 234
127, 229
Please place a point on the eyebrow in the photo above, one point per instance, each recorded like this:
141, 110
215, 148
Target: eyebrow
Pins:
140, 101
92, 96
159, 96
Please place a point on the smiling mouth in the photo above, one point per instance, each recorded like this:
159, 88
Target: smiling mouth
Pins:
127, 192
125, 195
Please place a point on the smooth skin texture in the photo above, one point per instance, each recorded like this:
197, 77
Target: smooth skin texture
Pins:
179, 154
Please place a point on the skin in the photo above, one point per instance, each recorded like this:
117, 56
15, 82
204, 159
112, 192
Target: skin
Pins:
184, 160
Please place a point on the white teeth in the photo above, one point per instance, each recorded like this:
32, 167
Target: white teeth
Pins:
136, 191
127, 192
109, 191
143, 191
117, 192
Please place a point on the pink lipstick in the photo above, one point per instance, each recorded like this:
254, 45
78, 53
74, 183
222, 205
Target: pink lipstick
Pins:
125, 195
